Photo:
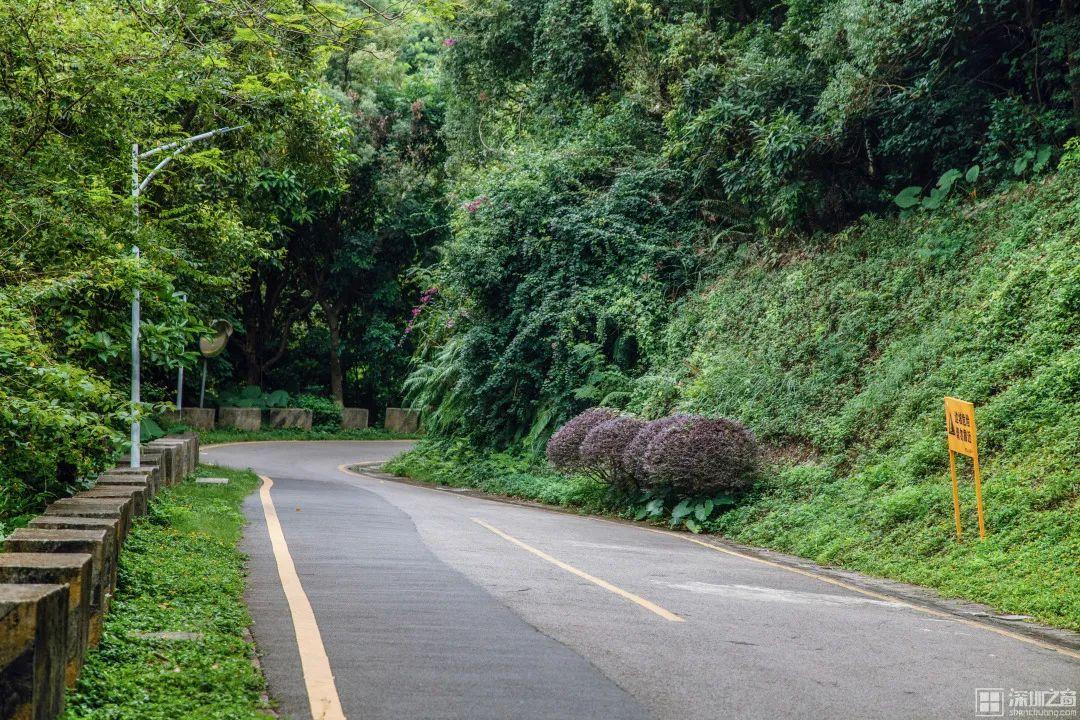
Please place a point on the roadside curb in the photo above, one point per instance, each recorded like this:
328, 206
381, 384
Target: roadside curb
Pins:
920, 598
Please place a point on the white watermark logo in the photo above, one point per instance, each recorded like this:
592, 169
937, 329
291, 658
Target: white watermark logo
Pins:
996, 702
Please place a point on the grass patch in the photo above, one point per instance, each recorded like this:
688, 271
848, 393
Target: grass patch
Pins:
179, 571
213, 437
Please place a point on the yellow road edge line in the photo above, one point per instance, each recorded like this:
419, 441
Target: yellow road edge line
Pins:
651, 607
871, 593
318, 678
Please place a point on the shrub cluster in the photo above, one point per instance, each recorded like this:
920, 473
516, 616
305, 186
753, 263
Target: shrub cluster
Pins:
564, 447
604, 450
686, 454
702, 456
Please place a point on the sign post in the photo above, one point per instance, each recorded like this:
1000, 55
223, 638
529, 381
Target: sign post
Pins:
960, 425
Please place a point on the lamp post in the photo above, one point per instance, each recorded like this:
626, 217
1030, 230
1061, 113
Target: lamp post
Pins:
137, 186
180, 376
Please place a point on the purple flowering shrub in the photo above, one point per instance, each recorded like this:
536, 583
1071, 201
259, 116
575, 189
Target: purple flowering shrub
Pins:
564, 447
634, 452
602, 450
702, 456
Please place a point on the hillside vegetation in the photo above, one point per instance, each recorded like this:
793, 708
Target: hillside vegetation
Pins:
838, 354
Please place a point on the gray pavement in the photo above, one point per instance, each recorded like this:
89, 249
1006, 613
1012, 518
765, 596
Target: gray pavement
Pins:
426, 613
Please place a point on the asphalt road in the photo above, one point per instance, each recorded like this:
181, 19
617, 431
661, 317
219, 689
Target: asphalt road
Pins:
439, 605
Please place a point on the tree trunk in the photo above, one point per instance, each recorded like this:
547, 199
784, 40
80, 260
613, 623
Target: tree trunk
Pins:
254, 370
333, 323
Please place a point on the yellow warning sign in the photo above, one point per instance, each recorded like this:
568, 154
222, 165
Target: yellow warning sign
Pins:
963, 439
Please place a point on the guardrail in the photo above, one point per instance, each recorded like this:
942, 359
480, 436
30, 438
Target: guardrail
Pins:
58, 574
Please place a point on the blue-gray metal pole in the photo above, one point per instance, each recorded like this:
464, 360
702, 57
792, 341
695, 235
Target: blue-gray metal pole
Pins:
136, 430
180, 380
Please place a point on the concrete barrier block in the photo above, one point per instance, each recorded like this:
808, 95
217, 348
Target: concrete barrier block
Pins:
200, 418
247, 419
153, 458
354, 418
151, 470
195, 444
111, 526
135, 493
402, 420
118, 508
177, 458
33, 632
190, 443
72, 569
111, 551
289, 418
90, 542
128, 481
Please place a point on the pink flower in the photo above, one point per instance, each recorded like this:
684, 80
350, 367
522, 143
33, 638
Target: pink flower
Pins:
449, 42
475, 204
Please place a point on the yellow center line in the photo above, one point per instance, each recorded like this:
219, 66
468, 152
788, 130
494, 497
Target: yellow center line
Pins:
871, 593
651, 607
318, 678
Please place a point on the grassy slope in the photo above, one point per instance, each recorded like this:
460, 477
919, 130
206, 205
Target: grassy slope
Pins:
839, 358
179, 571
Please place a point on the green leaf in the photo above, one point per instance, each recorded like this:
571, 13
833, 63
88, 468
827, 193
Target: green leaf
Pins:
724, 499
937, 196
692, 526
278, 398
703, 510
973, 173
908, 197
149, 430
1041, 159
251, 392
641, 513
655, 507
1021, 163
681, 510
948, 179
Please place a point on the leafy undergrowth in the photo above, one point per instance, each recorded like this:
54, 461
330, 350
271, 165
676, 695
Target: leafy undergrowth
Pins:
213, 437
456, 464
180, 571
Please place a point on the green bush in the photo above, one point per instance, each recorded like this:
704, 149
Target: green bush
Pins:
57, 421
253, 396
324, 411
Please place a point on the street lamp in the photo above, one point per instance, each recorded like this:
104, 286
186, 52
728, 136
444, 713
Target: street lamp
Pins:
137, 186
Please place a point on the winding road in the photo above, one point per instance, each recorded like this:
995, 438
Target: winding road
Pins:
378, 599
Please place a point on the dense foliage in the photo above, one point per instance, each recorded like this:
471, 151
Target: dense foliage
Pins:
605, 154
329, 316
80, 83
838, 354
